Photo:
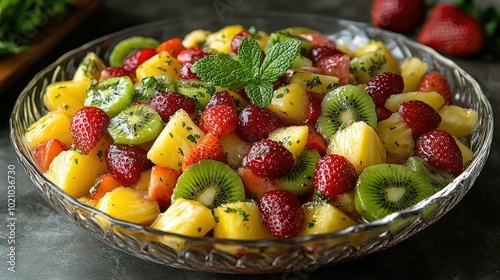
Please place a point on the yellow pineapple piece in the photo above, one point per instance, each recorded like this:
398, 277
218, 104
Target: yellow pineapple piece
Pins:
90, 68
179, 136
76, 173
143, 182
195, 38
391, 62
67, 95
312, 82
53, 125
130, 205
457, 120
88, 201
220, 41
323, 217
359, 143
412, 71
467, 153
239, 101
160, 64
240, 220
396, 136
432, 98
294, 138
367, 65
235, 148
291, 102
186, 217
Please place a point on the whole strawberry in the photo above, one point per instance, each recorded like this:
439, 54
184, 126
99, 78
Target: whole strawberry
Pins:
88, 127
268, 158
419, 116
435, 81
333, 175
438, 147
255, 123
451, 31
219, 119
167, 103
282, 213
397, 15
382, 86
126, 162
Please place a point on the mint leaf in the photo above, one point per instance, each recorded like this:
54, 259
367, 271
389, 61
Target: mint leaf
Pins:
261, 94
250, 55
221, 70
278, 59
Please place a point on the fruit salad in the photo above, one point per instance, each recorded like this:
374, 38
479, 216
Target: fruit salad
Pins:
245, 134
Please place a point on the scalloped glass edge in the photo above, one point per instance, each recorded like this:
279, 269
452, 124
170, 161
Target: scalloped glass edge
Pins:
270, 255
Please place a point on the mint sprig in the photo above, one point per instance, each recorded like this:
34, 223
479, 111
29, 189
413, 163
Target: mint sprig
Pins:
247, 72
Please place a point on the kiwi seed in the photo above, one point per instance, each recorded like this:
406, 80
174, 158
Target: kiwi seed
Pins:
112, 95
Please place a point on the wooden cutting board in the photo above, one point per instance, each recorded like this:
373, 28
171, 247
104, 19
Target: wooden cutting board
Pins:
48, 36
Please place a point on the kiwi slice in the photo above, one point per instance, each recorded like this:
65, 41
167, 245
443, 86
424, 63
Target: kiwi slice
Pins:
128, 46
386, 188
438, 177
344, 104
299, 180
274, 38
198, 90
135, 125
148, 87
112, 95
210, 182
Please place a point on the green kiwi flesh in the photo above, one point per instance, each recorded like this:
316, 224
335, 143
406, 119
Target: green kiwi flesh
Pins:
128, 46
148, 87
383, 189
210, 182
438, 177
198, 90
299, 180
112, 95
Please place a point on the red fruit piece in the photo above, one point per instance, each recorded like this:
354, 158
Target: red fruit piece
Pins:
235, 42
337, 65
334, 175
126, 162
191, 55
219, 119
115, 72
282, 213
382, 113
314, 108
221, 97
322, 46
255, 123
186, 73
105, 183
47, 151
255, 185
419, 116
268, 158
451, 31
172, 46
88, 126
397, 15
137, 58
167, 103
382, 86
438, 147
161, 184
316, 141
208, 148
434, 81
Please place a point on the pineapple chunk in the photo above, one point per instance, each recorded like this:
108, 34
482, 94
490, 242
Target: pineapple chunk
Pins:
412, 71
467, 153
90, 68
235, 148
312, 82
359, 143
53, 125
239, 100
240, 220
143, 182
367, 65
432, 98
294, 138
220, 41
179, 136
290, 102
457, 120
186, 217
397, 137
67, 95
323, 218
130, 205
160, 64
195, 38
88, 201
75, 173
391, 62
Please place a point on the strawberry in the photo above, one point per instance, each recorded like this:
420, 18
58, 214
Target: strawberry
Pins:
314, 108
434, 81
255, 185
419, 116
221, 97
384, 85
451, 31
161, 184
316, 141
88, 126
235, 42
208, 148
268, 158
137, 58
219, 119
191, 55
382, 113
337, 65
126, 162
281, 213
186, 73
322, 46
438, 147
47, 151
167, 103
397, 15
255, 123
115, 72
104, 183
333, 175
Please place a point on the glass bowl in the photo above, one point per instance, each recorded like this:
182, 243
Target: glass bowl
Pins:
263, 256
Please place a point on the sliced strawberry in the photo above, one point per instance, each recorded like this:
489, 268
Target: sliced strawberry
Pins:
255, 123
105, 183
322, 46
337, 65
161, 184
384, 85
126, 162
208, 148
314, 108
419, 116
186, 73
382, 113
316, 141
438, 147
137, 58
334, 175
434, 81
235, 42
88, 127
167, 103
111, 72
268, 158
397, 15
219, 119
256, 186
47, 151
191, 55
282, 213
221, 97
